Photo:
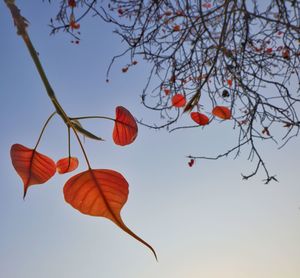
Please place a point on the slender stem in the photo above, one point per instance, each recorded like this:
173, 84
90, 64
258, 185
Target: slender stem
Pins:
82, 148
93, 117
69, 148
43, 129
69, 142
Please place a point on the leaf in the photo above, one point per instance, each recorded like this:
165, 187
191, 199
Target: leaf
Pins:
66, 165
125, 129
72, 3
173, 78
199, 118
266, 131
207, 5
269, 50
100, 192
222, 112
178, 100
76, 122
193, 102
167, 91
286, 54
72, 22
32, 166
176, 28
83, 131
191, 162
229, 82
287, 124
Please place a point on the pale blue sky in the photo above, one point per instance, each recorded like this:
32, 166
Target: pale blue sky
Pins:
202, 221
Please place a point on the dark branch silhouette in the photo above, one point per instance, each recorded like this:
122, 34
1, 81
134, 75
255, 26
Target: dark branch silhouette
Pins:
242, 54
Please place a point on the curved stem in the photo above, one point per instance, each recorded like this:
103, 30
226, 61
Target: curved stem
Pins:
43, 129
82, 148
93, 117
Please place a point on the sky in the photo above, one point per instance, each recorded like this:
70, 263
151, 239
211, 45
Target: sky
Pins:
202, 221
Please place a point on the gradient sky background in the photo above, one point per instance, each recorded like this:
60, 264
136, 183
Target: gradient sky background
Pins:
202, 221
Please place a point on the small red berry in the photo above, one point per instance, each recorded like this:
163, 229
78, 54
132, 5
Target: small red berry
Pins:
72, 3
